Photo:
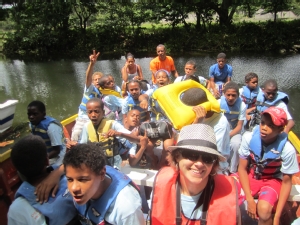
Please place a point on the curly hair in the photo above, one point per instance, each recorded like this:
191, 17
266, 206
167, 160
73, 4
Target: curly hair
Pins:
88, 155
39, 105
29, 156
232, 85
250, 76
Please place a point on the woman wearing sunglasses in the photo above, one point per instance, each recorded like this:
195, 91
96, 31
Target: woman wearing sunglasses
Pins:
193, 193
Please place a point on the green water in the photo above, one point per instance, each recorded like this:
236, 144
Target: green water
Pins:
60, 84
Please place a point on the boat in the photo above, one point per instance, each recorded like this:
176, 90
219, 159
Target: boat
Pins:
9, 177
7, 112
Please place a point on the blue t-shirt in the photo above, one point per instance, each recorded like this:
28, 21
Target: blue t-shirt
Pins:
220, 75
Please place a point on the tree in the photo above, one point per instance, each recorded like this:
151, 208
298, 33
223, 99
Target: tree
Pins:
275, 6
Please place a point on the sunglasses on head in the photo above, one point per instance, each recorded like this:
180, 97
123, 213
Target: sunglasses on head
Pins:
195, 155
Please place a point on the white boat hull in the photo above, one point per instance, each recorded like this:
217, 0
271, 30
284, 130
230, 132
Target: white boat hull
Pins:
7, 112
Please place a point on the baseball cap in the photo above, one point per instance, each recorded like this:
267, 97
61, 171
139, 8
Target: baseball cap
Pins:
278, 115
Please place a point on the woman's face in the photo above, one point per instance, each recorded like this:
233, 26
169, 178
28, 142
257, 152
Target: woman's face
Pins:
193, 174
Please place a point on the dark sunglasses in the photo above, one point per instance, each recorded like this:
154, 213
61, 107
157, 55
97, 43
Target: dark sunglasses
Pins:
195, 155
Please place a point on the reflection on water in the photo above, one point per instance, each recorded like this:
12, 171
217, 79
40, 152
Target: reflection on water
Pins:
60, 84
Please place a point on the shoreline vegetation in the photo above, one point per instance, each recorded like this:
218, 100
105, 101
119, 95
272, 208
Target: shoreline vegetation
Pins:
56, 30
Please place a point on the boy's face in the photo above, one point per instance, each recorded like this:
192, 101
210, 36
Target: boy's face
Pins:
161, 52
34, 115
134, 89
109, 83
95, 113
189, 70
133, 118
162, 79
268, 131
221, 62
84, 184
252, 84
231, 96
270, 92
96, 80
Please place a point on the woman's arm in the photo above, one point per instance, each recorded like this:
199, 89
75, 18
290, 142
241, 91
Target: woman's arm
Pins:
140, 72
124, 73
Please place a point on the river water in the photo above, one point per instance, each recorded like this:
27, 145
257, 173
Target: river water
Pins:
60, 84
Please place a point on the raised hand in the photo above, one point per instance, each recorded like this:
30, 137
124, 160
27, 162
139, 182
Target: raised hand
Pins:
94, 56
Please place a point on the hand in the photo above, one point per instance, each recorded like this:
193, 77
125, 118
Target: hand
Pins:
216, 93
112, 133
94, 56
136, 78
200, 113
251, 208
135, 131
51, 182
70, 144
144, 140
144, 104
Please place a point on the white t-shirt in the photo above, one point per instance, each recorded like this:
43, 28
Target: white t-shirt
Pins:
202, 80
222, 131
22, 213
126, 209
289, 163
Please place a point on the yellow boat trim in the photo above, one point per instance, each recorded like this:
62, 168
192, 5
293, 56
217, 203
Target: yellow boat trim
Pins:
294, 140
4, 156
69, 120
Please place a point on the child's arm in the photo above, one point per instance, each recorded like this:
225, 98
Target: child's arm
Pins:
134, 159
213, 87
237, 129
50, 183
55, 152
174, 73
89, 71
124, 72
243, 176
285, 190
289, 126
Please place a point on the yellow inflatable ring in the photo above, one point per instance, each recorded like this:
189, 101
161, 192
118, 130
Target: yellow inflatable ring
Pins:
180, 115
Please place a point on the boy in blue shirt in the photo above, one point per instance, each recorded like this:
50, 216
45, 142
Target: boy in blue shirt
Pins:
219, 74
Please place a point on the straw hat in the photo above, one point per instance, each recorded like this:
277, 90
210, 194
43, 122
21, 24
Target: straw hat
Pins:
198, 137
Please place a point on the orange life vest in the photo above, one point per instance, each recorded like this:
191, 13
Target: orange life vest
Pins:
223, 206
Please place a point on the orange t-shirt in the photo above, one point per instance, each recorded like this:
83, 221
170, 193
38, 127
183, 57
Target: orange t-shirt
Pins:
157, 64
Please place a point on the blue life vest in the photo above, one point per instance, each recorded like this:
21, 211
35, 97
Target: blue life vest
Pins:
42, 128
95, 94
262, 104
94, 211
125, 146
59, 210
268, 165
231, 112
135, 104
249, 96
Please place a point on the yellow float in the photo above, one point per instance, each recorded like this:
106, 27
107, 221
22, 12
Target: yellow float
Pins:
180, 115
110, 92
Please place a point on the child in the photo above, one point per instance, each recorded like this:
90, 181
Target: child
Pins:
108, 86
131, 71
162, 79
136, 100
49, 129
101, 194
90, 91
219, 73
194, 97
190, 69
29, 156
249, 92
235, 111
270, 96
103, 131
267, 163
